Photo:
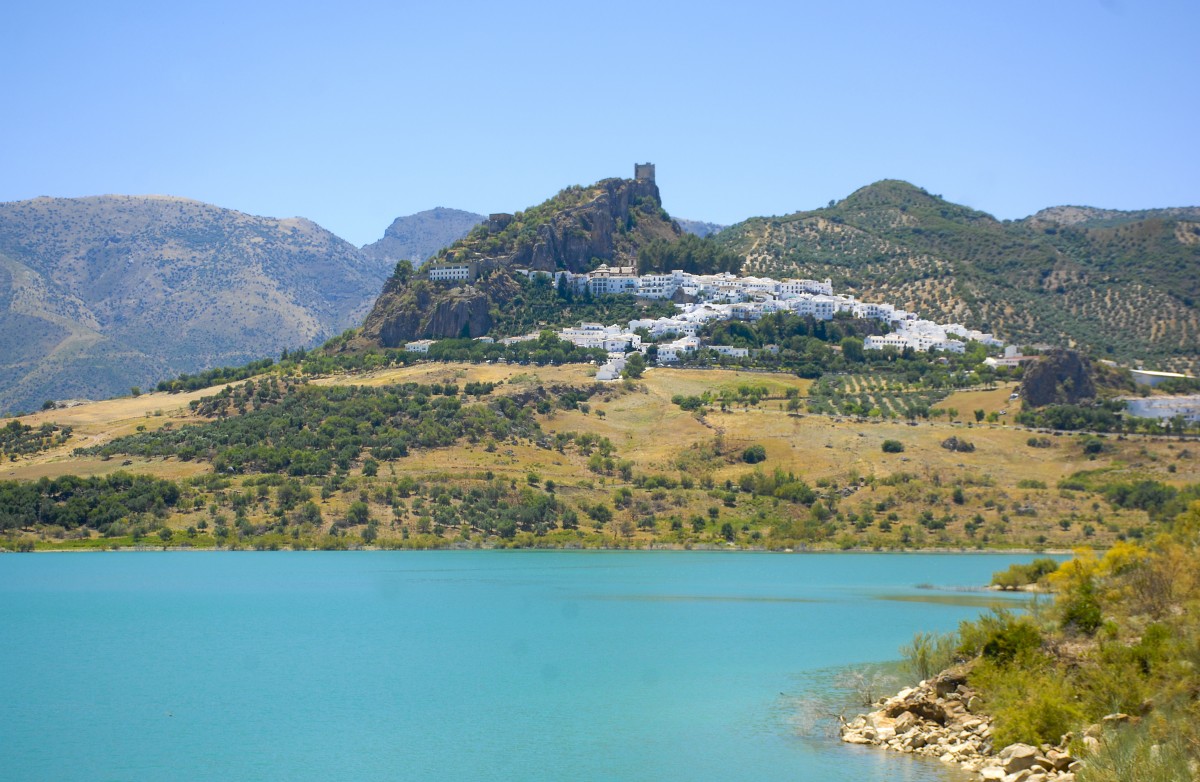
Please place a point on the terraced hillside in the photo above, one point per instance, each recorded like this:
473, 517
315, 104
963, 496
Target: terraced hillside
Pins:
104, 293
1118, 284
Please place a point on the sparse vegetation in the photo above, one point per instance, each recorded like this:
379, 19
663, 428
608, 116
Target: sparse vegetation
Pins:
668, 474
18, 439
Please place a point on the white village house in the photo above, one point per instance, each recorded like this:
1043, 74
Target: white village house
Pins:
729, 297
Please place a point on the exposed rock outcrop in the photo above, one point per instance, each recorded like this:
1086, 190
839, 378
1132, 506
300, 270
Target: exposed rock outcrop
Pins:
935, 719
1059, 377
421, 309
607, 222
610, 227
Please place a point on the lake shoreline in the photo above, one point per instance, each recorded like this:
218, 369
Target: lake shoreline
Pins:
664, 549
941, 718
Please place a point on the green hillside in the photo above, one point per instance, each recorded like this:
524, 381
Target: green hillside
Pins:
1118, 284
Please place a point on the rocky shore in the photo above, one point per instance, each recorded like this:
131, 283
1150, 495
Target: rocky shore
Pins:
938, 718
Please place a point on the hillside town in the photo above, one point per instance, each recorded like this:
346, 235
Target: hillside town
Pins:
701, 298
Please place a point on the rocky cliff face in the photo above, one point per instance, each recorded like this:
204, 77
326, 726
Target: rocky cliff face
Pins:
420, 309
1059, 377
619, 217
580, 227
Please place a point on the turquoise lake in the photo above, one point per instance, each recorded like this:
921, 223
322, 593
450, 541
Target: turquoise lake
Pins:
464, 665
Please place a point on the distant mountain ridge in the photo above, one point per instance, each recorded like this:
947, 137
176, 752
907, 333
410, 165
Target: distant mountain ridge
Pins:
1123, 285
102, 293
698, 227
1077, 215
417, 236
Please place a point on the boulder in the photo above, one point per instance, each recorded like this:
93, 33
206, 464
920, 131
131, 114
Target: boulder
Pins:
1058, 377
1018, 757
926, 709
948, 682
1060, 760
989, 773
906, 722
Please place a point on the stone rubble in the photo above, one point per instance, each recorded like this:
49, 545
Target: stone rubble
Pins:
937, 718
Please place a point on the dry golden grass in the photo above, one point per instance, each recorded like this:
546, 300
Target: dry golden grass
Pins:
966, 402
96, 423
659, 437
466, 373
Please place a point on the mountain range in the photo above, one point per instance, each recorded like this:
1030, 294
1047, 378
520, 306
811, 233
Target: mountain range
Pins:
100, 294
103, 293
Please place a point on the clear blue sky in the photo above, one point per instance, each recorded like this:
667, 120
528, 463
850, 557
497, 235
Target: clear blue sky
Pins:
353, 113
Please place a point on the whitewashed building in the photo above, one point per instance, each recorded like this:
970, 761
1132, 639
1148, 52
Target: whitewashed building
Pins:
418, 346
450, 270
670, 352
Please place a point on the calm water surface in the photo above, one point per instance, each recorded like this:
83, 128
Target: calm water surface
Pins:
451, 665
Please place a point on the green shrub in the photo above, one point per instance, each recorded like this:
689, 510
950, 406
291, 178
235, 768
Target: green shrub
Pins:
958, 445
1000, 636
1013, 641
754, 454
893, 446
928, 654
1160, 749
1019, 575
1081, 609
1028, 704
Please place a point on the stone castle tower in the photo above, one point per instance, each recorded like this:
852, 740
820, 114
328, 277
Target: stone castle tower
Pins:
643, 171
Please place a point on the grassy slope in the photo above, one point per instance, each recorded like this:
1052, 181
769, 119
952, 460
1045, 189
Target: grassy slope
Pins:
838, 456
